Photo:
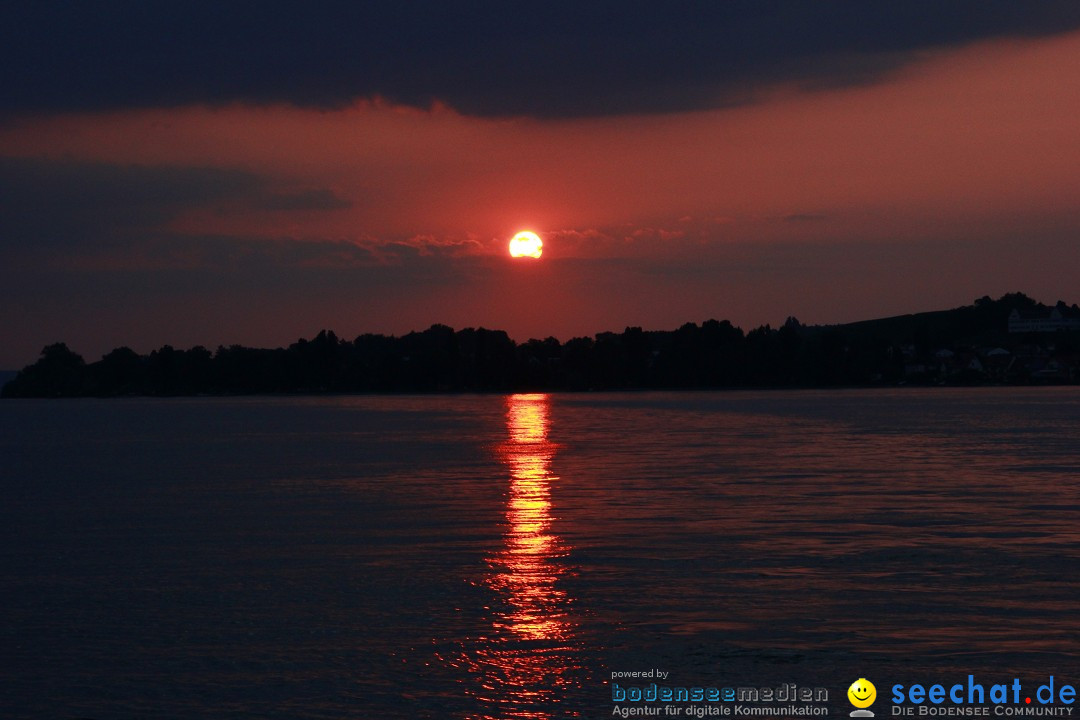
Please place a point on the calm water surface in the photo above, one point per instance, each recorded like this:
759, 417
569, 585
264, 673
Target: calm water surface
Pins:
500, 556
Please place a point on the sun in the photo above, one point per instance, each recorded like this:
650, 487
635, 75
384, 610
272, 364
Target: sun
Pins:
526, 244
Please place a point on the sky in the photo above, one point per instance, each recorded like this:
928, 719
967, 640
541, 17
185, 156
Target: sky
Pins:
218, 173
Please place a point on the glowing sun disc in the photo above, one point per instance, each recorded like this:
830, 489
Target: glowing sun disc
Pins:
526, 244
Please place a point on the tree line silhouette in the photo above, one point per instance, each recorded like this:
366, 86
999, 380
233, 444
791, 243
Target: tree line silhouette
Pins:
715, 354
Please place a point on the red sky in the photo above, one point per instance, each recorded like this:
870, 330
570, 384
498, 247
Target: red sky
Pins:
953, 177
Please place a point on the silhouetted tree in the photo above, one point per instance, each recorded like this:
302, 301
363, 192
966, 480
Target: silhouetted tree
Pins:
715, 354
59, 372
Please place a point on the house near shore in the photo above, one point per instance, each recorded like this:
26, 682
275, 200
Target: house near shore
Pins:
1059, 318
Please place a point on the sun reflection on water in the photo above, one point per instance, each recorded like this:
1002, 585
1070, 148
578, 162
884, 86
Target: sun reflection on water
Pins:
532, 657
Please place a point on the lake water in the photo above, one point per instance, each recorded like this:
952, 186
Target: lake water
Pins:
480, 557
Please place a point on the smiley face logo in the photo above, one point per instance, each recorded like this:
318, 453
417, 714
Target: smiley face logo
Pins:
862, 693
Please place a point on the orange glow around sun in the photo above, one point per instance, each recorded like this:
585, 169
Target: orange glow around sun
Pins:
526, 244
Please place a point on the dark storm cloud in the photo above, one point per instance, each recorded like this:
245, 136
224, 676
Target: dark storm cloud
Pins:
547, 59
60, 202
46, 203
803, 217
73, 214
217, 253
317, 199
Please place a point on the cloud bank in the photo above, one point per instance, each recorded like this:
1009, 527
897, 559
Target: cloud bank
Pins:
551, 59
